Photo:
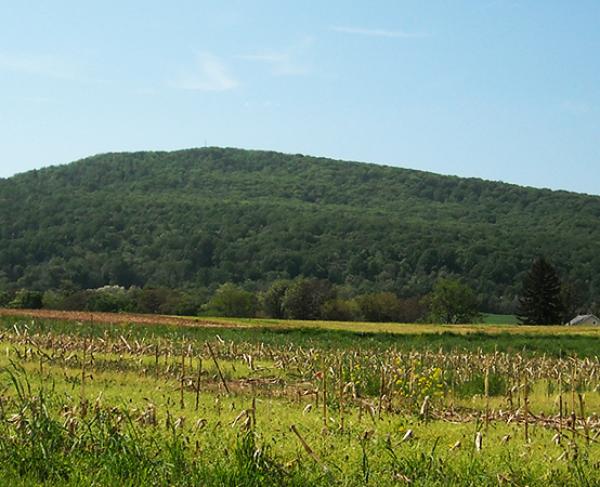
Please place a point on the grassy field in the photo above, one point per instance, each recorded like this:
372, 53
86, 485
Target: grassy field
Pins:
297, 403
551, 340
494, 319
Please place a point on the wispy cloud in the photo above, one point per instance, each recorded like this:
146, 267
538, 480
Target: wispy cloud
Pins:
397, 34
38, 65
284, 62
38, 99
62, 68
211, 75
575, 107
281, 63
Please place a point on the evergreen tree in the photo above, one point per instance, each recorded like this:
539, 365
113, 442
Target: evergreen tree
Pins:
540, 301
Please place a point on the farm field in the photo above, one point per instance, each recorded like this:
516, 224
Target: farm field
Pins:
91, 400
494, 326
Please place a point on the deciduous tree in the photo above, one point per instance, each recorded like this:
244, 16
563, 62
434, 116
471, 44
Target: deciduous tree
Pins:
452, 302
305, 297
231, 300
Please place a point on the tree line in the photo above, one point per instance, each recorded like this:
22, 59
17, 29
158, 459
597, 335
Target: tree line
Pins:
301, 298
543, 300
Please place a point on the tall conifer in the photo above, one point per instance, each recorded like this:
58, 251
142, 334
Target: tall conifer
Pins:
540, 300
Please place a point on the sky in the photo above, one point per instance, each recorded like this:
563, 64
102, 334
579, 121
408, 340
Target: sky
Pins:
498, 89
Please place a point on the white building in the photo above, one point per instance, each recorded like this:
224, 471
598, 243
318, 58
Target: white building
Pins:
585, 320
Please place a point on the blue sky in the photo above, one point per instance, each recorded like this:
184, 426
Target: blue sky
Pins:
500, 89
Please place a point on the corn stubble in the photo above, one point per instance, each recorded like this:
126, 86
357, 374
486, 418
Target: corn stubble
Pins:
246, 413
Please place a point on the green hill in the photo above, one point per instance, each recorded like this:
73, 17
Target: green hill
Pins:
199, 217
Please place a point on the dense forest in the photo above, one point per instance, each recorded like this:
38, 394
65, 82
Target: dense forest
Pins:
195, 219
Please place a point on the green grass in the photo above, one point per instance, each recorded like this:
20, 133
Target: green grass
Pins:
494, 319
108, 446
62, 423
550, 340
493, 324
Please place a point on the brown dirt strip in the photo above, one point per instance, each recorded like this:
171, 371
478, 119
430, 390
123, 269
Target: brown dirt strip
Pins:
114, 318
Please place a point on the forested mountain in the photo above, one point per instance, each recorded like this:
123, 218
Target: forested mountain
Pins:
197, 218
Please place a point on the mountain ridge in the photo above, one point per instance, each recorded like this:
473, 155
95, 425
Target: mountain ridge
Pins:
290, 154
210, 215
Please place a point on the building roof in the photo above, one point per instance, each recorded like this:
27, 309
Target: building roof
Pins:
582, 318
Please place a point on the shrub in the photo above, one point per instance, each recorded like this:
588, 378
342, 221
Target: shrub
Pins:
305, 297
341, 310
272, 299
380, 307
5, 298
26, 300
231, 300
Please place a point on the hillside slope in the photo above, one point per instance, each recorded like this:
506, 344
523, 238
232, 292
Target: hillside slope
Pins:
198, 217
